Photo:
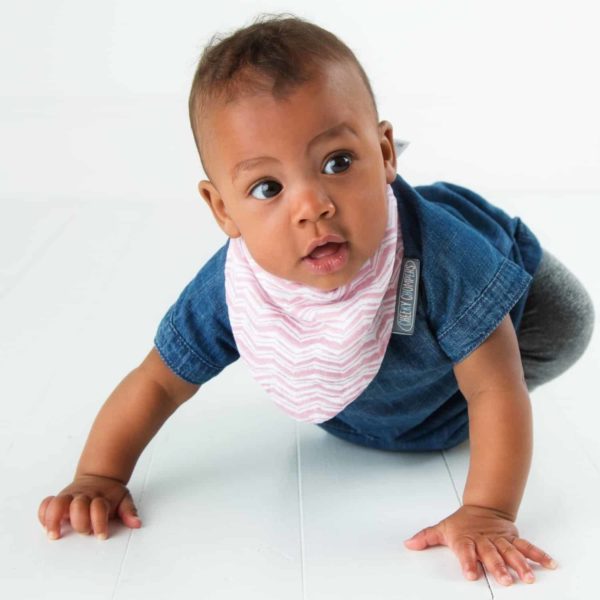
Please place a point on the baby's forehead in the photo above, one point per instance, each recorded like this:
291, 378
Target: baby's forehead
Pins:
330, 98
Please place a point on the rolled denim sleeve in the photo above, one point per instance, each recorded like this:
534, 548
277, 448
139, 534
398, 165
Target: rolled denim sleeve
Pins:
477, 320
194, 337
470, 285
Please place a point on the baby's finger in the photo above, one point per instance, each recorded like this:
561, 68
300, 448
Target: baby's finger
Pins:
515, 559
99, 514
128, 512
56, 508
467, 555
79, 513
493, 561
534, 553
42, 509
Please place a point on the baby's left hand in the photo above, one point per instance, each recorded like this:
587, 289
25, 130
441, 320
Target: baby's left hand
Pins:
475, 533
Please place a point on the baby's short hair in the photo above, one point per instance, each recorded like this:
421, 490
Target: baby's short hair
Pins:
275, 54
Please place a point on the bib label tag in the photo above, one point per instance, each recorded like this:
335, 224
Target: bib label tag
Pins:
406, 300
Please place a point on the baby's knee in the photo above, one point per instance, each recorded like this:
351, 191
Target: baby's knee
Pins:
574, 322
560, 326
584, 317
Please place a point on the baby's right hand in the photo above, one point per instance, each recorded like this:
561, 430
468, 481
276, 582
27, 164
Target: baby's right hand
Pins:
88, 503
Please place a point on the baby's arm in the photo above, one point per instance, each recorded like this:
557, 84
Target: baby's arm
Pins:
500, 422
500, 430
126, 423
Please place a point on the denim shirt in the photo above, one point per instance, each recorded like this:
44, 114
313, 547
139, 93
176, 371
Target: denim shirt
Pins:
476, 265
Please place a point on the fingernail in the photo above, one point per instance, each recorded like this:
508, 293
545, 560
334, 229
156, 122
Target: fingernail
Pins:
553, 564
471, 575
101, 536
53, 535
506, 580
529, 578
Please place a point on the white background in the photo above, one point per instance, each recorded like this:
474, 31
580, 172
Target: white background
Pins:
101, 225
496, 95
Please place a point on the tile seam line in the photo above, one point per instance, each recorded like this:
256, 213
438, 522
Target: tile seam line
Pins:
300, 514
131, 531
443, 453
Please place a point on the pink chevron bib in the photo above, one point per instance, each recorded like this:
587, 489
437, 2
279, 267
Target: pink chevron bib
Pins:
314, 351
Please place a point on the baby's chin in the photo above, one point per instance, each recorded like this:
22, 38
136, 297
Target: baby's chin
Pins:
322, 283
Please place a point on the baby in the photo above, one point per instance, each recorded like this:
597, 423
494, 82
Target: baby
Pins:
397, 317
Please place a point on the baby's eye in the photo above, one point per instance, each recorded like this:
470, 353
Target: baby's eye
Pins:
263, 187
343, 160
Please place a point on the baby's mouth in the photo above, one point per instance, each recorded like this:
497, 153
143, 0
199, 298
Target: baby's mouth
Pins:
325, 250
328, 258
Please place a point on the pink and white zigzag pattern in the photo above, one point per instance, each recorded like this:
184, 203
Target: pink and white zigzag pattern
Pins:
314, 352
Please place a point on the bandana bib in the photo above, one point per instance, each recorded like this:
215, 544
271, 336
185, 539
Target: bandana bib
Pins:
314, 351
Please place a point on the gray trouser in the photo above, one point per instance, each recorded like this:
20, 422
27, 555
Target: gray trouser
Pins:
557, 323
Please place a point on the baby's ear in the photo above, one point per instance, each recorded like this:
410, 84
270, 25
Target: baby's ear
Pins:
217, 206
388, 149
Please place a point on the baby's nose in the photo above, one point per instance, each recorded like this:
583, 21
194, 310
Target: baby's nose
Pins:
312, 205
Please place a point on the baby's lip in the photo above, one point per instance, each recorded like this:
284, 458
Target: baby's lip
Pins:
337, 239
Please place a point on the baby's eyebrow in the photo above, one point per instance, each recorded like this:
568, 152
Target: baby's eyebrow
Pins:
250, 163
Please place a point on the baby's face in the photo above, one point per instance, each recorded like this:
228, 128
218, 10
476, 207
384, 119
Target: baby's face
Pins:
286, 173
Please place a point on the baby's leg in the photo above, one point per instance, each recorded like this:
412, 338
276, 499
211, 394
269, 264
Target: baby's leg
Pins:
557, 322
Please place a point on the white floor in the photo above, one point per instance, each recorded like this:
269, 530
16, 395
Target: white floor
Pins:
237, 500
